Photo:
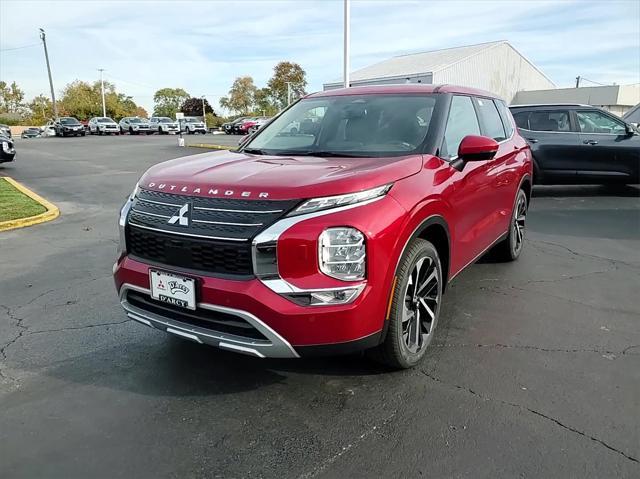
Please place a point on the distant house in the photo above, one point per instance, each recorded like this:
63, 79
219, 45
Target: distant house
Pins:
496, 67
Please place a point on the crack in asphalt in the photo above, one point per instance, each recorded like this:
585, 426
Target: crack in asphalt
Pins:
75, 328
576, 253
330, 460
532, 411
536, 348
605, 309
21, 330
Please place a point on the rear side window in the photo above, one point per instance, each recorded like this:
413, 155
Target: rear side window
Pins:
551, 120
491, 121
506, 117
462, 122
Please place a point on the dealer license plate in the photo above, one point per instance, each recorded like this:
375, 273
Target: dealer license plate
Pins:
173, 289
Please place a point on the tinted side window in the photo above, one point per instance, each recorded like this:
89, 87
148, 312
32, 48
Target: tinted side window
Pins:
522, 119
596, 122
555, 120
506, 117
462, 122
491, 121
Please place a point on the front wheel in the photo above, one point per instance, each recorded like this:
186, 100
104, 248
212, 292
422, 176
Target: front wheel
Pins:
510, 248
415, 307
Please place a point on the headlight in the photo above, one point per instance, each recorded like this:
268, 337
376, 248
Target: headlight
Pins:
342, 253
318, 204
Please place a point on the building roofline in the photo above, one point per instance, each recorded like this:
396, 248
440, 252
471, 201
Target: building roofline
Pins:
532, 105
449, 48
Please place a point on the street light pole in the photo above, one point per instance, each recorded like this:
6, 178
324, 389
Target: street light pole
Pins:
347, 35
104, 108
46, 56
288, 93
204, 113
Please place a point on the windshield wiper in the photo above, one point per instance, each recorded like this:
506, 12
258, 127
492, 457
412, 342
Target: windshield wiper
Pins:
319, 153
253, 151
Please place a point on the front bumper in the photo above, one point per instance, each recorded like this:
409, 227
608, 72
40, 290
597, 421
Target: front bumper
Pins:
273, 346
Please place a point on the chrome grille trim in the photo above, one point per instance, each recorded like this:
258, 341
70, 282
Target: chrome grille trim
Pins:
185, 234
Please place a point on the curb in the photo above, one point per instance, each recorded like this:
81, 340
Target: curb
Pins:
52, 210
211, 146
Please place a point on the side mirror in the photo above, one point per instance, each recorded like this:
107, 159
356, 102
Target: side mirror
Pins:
629, 129
475, 148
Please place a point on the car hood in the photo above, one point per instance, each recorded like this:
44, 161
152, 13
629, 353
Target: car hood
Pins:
244, 176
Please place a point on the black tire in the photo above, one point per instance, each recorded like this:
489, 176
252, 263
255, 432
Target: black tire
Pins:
131, 130
160, 131
83, 133
121, 131
100, 132
510, 248
408, 337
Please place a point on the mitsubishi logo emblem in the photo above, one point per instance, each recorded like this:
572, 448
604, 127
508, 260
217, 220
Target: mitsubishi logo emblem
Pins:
181, 217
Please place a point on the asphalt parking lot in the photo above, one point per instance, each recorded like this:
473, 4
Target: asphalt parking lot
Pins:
535, 371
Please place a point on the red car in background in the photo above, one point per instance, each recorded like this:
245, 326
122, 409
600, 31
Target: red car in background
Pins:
336, 228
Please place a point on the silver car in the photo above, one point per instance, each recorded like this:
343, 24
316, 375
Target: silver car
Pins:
135, 125
163, 125
102, 125
192, 125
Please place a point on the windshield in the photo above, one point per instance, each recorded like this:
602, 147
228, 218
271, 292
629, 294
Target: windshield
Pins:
105, 120
135, 120
191, 120
164, 120
69, 121
352, 125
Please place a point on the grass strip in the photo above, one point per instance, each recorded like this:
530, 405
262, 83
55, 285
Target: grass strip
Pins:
15, 204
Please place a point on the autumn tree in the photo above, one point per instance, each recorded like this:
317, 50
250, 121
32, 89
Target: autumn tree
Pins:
264, 103
193, 107
283, 73
40, 110
241, 96
11, 97
168, 101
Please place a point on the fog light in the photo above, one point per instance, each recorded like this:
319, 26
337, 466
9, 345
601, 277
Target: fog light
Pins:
326, 297
342, 253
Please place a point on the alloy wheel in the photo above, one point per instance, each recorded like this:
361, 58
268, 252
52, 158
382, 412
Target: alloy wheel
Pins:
421, 303
518, 224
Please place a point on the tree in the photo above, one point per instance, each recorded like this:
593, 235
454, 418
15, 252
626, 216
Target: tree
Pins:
11, 97
168, 101
241, 96
193, 107
40, 110
285, 72
264, 103
84, 100
141, 112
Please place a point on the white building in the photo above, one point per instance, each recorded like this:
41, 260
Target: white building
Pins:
496, 67
617, 99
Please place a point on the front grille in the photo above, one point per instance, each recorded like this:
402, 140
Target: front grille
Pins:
190, 253
203, 318
217, 238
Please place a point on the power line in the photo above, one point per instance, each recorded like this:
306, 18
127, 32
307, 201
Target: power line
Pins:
591, 81
19, 48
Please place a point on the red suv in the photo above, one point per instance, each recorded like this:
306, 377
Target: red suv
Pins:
335, 228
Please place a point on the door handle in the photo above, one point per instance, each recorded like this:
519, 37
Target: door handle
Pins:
532, 140
590, 142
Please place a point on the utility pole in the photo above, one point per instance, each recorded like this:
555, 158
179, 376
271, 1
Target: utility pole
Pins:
347, 34
288, 93
578, 81
104, 108
204, 113
46, 56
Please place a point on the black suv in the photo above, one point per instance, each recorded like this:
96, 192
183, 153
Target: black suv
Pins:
68, 126
579, 144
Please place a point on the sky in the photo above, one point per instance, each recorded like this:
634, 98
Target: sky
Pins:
202, 46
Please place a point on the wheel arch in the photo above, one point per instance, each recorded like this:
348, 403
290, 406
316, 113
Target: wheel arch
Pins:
434, 229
